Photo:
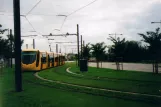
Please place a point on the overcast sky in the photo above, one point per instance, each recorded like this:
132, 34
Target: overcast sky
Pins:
96, 21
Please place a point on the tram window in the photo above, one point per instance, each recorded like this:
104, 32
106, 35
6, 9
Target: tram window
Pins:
28, 57
51, 59
43, 59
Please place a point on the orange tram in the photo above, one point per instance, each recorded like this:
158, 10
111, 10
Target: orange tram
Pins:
35, 60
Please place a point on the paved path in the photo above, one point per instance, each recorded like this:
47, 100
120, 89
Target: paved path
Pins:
127, 66
72, 72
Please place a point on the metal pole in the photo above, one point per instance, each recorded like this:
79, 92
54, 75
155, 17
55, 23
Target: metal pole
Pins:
50, 47
78, 41
8, 31
11, 45
17, 33
65, 50
81, 47
83, 43
8, 60
26, 46
60, 50
56, 48
33, 43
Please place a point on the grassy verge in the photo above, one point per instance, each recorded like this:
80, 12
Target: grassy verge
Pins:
113, 74
123, 85
37, 93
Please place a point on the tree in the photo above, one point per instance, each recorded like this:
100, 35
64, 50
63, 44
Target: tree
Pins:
2, 30
3, 44
133, 51
4, 48
98, 50
119, 46
86, 51
117, 49
7, 45
11, 39
153, 39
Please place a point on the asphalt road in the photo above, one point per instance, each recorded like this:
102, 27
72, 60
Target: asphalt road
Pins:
127, 66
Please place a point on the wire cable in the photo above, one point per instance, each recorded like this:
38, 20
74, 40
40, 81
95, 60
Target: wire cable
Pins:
82, 7
78, 10
63, 22
33, 7
53, 15
42, 14
30, 23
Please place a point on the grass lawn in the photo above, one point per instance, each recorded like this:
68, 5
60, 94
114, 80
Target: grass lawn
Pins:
118, 83
113, 74
36, 93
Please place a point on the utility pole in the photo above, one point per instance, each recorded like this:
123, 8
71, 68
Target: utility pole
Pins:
78, 42
50, 44
33, 43
17, 33
8, 61
26, 46
81, 47
50, 47
56, 48
11, 45
83, 43
60, 50
67, 34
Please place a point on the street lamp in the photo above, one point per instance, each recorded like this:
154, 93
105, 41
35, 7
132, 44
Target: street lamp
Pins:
50, 47
50, 39
61, 15
32, 31
155, 22
50, 44
57, 29
115, 34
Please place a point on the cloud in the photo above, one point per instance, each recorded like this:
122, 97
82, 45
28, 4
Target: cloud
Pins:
95, 21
